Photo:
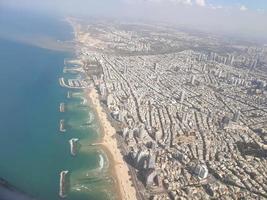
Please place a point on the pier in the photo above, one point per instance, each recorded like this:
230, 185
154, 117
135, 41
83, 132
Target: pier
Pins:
73, 70
73, 83
73, 146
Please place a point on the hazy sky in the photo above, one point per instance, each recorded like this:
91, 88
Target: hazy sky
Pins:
243, 17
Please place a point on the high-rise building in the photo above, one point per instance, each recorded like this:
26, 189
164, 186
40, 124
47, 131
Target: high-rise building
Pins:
199, 57
184, 117
224, 60
125, 70
193, 78
232, 60
103, 90
236, 116
220, 73
157, 79
254, 64
155, 66
125, 132
182, 96
204, 68
201, 171
151, 161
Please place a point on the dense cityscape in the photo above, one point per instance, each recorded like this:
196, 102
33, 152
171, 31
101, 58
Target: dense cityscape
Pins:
133, 100
189, 108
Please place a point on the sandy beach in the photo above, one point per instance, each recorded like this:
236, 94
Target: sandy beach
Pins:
109, 142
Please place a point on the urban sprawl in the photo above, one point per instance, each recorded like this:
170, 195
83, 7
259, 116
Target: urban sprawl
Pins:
190, 109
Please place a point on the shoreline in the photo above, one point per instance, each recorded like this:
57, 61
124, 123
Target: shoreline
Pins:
108, 142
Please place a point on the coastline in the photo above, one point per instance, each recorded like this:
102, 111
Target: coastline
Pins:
109, 143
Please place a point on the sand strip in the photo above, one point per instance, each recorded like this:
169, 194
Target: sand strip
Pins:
126, 189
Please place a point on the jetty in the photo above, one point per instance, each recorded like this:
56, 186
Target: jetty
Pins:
62, 107
69, 95
63, 184
73, 83
61, 126
73, 70
73, 146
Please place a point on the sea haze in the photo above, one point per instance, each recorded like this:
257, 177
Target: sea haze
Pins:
36, 29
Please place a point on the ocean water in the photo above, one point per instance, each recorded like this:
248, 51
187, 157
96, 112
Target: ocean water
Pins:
32, 150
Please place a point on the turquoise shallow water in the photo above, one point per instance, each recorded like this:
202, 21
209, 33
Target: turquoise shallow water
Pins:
32, 151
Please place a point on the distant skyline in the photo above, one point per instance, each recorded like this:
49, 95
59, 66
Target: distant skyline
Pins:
242, 5
256, 5
244, 18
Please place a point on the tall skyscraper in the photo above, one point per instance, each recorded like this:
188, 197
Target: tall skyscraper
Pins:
155, 66
236, 116
193, 78
182, 96
125, 70
204, 68
232, 60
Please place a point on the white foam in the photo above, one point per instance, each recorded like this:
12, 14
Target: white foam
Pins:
91, 118
84, 100
101, 161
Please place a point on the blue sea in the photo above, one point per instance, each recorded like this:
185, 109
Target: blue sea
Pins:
33, 152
